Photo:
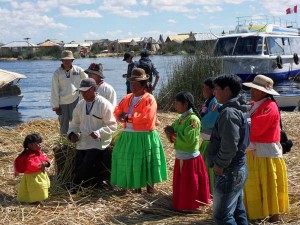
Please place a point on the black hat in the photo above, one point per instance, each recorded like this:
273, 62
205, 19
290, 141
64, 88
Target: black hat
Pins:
127, 55
86, 84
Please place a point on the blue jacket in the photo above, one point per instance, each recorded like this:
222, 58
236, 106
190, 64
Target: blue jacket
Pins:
209, 114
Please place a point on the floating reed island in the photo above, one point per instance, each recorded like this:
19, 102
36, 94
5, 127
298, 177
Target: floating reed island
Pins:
112, 205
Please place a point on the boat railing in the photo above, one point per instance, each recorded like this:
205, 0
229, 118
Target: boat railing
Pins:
264, 19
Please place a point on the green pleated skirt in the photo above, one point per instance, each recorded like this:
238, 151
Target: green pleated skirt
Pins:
138, 160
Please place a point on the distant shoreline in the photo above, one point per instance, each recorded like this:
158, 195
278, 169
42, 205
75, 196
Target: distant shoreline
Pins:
100, 55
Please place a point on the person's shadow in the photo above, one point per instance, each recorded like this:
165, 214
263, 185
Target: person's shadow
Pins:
157, 209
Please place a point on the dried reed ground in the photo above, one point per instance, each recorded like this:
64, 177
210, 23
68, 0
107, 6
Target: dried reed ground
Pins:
115, 206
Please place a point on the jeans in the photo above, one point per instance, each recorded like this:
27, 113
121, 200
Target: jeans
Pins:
228, 206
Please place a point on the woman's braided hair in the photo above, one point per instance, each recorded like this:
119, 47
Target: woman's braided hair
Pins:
187, 97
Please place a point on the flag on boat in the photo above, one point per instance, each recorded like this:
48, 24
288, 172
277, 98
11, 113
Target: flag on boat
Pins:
291, 10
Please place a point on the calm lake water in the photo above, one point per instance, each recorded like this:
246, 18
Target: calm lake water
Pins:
37, 87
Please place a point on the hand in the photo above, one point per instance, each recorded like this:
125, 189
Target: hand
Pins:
122, 117
74, 138
218, 170
169, 130
94, 135
57, 111
43, 165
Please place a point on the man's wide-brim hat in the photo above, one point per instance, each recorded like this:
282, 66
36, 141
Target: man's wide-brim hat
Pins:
95, 68
86, 84
66, 54
138, 74
262, 83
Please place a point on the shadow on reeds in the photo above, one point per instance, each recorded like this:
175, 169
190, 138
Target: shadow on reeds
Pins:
156, 209
7, 200
5, 154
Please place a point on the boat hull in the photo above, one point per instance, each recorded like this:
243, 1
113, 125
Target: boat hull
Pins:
289, 98
10, 102
288, 102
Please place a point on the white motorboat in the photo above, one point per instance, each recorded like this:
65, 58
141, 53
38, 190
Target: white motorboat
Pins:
262, 48
10, 92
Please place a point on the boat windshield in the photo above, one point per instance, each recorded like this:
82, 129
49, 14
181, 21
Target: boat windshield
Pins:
239, 46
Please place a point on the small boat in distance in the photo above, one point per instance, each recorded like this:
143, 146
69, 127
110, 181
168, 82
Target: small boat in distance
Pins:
10, 92
260, 47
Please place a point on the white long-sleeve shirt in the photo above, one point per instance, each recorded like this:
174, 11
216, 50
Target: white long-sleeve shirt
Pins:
108, 92
65, 85
100, 120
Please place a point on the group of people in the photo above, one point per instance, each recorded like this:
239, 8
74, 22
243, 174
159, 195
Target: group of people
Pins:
213, 157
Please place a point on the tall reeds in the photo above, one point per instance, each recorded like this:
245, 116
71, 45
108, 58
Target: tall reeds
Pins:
187, 74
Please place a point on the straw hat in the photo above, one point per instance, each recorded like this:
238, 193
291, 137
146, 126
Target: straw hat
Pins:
86, 84
138, 74
262, 83
95, 68
66, 54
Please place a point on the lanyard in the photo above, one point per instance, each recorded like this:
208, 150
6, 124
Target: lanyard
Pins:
88, 108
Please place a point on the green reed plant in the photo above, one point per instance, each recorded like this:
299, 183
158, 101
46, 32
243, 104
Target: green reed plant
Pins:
187, 74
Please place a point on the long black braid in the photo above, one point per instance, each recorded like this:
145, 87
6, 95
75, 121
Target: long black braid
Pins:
273, 99
187, 97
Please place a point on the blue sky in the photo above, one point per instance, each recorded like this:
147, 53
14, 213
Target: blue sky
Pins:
79, 20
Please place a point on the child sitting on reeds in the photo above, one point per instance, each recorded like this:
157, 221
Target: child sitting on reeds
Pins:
32, 162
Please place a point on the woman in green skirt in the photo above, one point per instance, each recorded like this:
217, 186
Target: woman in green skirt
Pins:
138, 158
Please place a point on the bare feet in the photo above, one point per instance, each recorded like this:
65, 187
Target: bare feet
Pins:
137, 190
150, 188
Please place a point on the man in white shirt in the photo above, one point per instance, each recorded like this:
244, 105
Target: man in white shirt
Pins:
91, 129
64, 94
95, 71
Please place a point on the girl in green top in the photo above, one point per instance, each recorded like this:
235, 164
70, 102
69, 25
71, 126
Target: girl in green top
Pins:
190, 181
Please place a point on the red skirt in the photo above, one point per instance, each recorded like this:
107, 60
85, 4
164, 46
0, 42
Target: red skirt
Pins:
190, 184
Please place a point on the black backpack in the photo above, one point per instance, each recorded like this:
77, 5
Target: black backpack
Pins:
146, 65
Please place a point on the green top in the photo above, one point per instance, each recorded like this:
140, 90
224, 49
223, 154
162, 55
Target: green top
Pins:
187, 133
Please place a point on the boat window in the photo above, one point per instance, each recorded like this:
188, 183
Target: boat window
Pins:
225, 46
249, 46
275, 45
295, 45
286, 46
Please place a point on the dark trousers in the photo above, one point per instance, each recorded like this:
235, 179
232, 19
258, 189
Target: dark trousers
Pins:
92, 167
128, 87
